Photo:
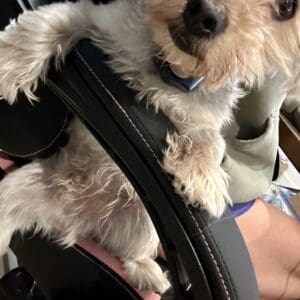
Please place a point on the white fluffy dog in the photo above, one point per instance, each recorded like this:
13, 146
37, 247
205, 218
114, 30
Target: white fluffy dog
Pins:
80, 192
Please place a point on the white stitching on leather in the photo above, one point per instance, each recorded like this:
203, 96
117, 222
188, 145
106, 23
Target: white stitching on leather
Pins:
148, 146
118, 104
217, 221
212, 256
44, 148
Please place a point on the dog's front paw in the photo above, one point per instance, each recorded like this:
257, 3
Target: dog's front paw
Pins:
29, 43
198, 175
205, 189
20, 68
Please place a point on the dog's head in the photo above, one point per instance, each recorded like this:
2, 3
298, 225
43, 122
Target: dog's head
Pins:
226, 39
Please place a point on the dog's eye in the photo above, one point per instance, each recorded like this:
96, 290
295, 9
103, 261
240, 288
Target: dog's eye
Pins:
286, 9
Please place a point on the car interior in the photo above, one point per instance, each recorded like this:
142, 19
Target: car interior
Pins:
200, 262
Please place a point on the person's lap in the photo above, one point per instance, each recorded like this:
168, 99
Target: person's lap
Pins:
273, 241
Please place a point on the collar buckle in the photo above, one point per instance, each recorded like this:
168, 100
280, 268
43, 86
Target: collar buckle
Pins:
185, 84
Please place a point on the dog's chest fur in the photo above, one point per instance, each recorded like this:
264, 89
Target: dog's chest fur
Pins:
120, 29
83, 169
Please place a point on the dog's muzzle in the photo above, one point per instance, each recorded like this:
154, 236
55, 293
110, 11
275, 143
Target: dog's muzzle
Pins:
203, 18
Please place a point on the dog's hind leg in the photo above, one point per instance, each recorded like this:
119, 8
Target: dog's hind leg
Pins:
127, 232
139, 252
29, 43
22, 195
131, 236
5, 236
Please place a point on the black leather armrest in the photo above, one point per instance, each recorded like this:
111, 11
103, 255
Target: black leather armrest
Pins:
212, 252
67, 274
30, 131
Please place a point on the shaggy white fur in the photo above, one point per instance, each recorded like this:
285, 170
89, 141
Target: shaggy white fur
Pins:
80, 192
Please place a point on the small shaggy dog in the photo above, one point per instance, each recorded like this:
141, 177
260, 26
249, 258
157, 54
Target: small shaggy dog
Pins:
80, 192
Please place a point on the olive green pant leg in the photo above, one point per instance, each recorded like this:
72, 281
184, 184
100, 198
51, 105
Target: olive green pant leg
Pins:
252, 142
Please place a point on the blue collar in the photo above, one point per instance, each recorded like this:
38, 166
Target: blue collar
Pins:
187, 84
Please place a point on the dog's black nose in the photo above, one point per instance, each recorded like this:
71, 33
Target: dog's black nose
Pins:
203, 18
